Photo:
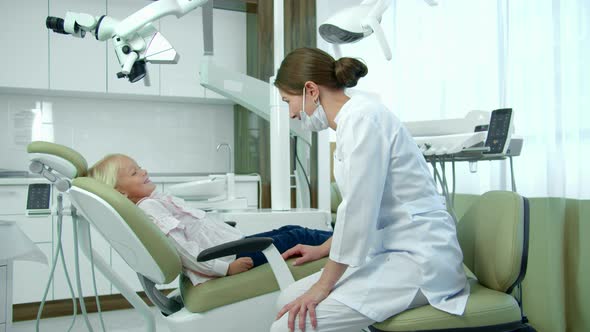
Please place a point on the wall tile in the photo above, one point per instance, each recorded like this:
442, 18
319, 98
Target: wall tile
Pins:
161, 136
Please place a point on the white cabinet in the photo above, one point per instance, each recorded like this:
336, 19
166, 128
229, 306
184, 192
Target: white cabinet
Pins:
23, 59
119, 10
37, 228
13, 200
77, 64
30, 278
3, 292
229, 43
186, 36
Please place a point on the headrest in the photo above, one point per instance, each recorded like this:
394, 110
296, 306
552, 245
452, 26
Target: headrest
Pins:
159, 249
62, 159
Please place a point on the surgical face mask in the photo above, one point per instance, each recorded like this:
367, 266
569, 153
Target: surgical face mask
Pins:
318, 120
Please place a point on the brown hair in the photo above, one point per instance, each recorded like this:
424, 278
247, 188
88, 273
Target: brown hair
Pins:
312, 64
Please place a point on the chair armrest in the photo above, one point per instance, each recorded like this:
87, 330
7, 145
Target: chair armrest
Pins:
275, 260
252, 244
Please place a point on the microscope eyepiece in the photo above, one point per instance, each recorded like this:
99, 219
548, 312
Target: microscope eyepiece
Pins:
56, 24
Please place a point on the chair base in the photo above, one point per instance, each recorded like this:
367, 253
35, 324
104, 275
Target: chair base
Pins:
509, 327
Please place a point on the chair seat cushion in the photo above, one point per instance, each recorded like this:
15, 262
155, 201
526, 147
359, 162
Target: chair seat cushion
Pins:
485, 307
222, 291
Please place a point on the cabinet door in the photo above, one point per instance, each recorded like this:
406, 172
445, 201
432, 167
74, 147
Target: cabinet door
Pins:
23, 59
60, 287
229, 42
249, 190
186, 36
30, 278
13, 199
3, 293
77, 64
119, 10
37, 228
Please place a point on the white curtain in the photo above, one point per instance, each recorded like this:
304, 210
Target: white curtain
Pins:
462, 55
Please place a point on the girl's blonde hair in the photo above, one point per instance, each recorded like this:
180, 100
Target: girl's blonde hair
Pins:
106, 169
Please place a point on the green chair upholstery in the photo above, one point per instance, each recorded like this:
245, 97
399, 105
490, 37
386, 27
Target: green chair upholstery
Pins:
493, 235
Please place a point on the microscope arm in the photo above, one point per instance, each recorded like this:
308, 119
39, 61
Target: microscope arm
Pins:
135, 39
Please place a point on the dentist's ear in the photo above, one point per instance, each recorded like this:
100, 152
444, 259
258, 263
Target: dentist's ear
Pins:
313, 89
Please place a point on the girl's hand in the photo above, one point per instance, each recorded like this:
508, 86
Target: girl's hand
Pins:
306, 302
240, 265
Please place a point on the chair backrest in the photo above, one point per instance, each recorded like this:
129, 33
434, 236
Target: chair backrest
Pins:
127, 229
493, 235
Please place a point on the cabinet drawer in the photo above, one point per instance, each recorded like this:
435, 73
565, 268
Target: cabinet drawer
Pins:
30, 278
37, 228
13, 199
3, 293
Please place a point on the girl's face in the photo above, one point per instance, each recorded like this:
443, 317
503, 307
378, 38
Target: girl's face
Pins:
133, 181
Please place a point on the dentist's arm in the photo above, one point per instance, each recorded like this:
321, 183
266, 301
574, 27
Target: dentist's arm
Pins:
308, 253
333, 271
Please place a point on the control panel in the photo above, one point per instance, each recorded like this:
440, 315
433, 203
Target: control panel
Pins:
499, 131
39, 199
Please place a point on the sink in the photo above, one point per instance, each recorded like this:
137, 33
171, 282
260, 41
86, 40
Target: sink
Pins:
198, 190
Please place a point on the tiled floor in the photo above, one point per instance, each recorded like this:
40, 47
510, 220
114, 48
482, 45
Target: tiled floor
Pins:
115, 321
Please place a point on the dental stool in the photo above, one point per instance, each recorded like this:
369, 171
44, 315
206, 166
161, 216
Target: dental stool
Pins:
242, 302
493, 235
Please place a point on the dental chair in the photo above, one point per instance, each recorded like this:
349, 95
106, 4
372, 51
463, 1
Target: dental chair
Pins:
242, 302
493, 235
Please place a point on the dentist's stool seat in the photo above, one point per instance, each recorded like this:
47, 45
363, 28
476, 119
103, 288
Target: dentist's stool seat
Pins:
493, 235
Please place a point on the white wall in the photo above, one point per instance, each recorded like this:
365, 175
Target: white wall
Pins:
161, 136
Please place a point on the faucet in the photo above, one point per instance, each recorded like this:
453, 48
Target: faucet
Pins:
229, 151
230, 175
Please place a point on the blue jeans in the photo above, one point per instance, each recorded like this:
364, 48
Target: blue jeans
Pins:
286, 238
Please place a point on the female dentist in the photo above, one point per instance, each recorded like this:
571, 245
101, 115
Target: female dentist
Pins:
394, 245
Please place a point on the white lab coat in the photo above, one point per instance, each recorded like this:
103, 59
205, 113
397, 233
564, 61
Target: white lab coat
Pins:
392, 227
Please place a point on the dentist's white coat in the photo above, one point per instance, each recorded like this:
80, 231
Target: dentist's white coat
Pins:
392, 228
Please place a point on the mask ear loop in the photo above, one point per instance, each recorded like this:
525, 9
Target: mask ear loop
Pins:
303, 102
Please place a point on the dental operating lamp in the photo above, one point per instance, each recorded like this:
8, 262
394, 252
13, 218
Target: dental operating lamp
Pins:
352, 24
135, 38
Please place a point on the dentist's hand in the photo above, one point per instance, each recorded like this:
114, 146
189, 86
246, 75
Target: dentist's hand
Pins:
306, 302
308, 253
